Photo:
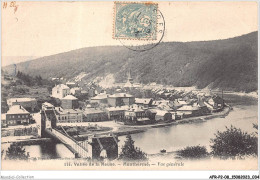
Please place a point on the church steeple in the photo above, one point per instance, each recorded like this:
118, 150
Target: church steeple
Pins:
129, 77
130, 80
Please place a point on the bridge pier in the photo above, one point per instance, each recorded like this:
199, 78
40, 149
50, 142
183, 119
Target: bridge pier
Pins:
108, 145
48, 120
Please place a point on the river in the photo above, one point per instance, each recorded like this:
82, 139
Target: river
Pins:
175, 137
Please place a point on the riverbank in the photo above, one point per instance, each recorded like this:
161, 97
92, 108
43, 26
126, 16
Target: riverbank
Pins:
222, 113
122, 130
27, 141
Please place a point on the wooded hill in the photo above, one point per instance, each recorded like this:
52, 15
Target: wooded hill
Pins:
230, 64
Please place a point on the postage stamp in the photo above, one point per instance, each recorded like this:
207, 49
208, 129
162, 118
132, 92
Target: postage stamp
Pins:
134, 20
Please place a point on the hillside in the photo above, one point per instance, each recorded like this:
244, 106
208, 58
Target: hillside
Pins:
230, 64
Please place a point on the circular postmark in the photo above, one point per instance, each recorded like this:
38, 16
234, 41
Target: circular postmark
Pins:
139, 44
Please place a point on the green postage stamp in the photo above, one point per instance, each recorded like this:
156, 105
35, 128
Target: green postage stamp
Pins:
134, 20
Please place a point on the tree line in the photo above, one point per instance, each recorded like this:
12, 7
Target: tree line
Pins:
32, 80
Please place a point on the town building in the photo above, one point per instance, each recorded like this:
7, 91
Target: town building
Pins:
71, 84
116, 113
182, 102
175, 116
156, 103
120, 99
162, 115
189, 111
17, 115
68, 115
29, 104
203, 107
216, 102
137, 116
100, 98
75, 91
69, 102
60, 91
177, 104
167, 106
47, 106
145, 102
94, 115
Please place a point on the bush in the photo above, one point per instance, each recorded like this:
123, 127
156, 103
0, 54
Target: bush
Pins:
234, 142
193, 152
130, 152
16, 151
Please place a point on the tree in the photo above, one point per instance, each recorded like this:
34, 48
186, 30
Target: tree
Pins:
16, 151
130, 152
234, 142
193, 152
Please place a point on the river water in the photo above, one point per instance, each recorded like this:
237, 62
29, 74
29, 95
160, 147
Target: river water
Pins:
175, 137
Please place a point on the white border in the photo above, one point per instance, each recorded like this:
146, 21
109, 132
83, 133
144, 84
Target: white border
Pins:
126, 174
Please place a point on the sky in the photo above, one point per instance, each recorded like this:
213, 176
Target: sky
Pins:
39, 29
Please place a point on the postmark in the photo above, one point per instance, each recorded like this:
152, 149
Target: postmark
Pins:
143, 43
134, 20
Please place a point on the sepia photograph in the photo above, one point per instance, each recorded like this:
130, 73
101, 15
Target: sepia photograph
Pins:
129, 85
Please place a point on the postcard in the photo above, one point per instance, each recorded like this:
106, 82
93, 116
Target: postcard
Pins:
129, 85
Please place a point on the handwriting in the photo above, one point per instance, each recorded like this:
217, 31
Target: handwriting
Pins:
12, 4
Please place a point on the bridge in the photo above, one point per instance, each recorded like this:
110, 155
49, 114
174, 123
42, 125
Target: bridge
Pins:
78, 149
94, 147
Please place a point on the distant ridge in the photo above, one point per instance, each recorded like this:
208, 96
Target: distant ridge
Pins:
230, 64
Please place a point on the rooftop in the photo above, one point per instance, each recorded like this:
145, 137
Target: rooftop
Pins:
159, 112
135, 109
121, 95
47, 104
21, 99
59, 110
62, 86
100, 96
70, 97
17, 109
142, 100
92, 111
118, 108
188, 108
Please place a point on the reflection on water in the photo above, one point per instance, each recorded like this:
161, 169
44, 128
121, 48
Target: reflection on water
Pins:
172, 138
49, 151
46, 151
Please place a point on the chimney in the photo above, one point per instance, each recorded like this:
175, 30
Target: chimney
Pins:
20, 107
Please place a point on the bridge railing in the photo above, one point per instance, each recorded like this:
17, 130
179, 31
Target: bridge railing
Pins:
75, 141
78, 147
